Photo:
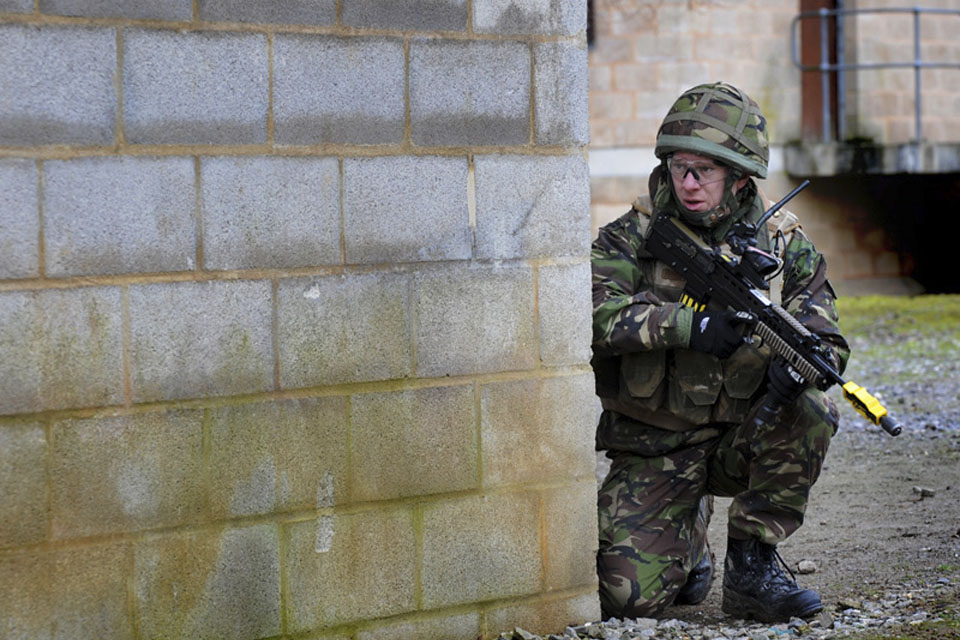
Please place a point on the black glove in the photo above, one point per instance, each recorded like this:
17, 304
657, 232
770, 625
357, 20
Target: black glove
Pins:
720, 332
786, 384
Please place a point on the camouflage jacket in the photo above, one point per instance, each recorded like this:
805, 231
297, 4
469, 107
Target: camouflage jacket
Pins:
644, 370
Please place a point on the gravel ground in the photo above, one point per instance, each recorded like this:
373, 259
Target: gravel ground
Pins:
881, 540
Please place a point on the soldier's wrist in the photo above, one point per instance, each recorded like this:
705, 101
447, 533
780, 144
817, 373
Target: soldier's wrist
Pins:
684, 325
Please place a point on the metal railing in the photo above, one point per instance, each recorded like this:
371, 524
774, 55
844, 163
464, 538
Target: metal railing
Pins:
840, 66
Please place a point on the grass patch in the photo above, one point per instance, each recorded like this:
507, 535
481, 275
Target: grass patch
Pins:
924, 631
938, 630
900, 339
945, 607
900, 316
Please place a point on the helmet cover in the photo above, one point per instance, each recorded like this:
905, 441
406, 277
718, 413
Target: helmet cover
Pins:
718, 121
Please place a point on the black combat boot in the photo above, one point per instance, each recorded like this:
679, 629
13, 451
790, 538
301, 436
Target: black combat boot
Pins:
754, 585
697, 586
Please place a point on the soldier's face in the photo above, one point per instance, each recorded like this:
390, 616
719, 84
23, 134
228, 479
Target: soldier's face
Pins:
699, 181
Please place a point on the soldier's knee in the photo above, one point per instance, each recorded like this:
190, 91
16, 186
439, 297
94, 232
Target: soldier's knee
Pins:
612, 606
631, 587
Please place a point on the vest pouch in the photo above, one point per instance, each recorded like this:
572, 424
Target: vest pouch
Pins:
731, 410
698, 375
641, 374
696, 380
745, 371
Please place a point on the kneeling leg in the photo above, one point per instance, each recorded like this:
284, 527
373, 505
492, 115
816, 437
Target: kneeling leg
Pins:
650, 535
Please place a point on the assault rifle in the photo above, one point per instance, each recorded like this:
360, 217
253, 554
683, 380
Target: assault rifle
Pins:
738, 284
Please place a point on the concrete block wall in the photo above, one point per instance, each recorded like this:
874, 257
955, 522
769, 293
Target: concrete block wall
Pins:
294, 319
646, 53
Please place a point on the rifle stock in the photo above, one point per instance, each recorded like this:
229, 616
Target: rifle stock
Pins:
710, 275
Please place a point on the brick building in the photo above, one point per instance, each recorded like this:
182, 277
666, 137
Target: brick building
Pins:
878, 188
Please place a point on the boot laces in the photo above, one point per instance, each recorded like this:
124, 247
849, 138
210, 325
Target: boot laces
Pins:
784, 564
778, 576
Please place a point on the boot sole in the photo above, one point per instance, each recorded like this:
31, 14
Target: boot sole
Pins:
741, 606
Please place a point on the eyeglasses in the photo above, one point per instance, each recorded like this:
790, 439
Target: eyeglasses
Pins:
702, 173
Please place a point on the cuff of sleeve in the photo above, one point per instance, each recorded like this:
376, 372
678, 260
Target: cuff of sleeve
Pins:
684, 325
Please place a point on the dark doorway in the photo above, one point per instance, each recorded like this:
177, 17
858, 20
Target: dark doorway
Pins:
921, 214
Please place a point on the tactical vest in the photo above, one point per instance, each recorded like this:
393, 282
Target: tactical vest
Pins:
681, 389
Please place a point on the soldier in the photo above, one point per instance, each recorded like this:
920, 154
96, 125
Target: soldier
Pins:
680, 384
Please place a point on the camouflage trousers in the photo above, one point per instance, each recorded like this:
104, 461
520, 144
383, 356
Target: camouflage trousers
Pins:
654, 510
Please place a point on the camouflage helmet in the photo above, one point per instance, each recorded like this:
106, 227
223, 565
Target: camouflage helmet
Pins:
720, 121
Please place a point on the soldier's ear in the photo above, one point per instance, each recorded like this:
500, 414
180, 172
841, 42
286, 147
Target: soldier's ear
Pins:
740, 183
653, 182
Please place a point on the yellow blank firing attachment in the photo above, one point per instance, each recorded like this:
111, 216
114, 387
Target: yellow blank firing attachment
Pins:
870, 408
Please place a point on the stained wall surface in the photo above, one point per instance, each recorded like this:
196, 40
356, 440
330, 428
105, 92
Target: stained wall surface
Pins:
294, 319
